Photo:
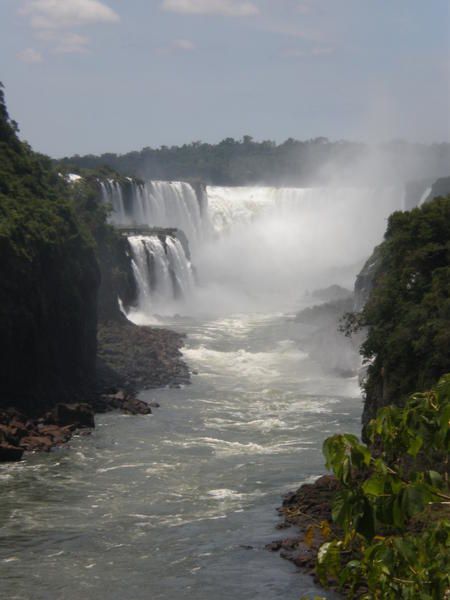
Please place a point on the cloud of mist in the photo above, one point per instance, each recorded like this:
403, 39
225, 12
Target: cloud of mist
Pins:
277, 244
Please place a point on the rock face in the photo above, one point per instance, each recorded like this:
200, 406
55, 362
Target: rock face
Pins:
117, 279
365, 280
441, 187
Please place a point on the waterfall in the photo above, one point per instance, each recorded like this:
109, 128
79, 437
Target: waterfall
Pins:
234, 206
163, 274
252, 247
424, 196
157, 204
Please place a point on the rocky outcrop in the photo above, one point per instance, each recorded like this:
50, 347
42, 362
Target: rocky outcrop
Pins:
135, 358
365, 280
117, 278
441, 187
308, 510
20, 433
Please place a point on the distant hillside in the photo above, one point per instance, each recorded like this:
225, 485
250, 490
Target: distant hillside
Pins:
244, 162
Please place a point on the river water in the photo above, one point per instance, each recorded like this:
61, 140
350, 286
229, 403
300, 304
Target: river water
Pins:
180, 504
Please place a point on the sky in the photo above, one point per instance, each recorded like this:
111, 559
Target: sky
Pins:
93, 76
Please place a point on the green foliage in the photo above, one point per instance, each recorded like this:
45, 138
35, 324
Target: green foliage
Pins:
246, 161
230, 162
383, 489
407, 315
49, 279
414, 566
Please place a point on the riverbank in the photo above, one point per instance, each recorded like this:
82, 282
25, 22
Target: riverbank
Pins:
129, 360
308, 510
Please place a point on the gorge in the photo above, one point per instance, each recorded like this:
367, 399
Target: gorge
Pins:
256, 278
182, 498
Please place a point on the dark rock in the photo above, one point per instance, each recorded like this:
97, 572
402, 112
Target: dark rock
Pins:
283, 526
289, 543
303, 560
274, 546
133, 406
36, 442
59, 435
80, 415
9, 453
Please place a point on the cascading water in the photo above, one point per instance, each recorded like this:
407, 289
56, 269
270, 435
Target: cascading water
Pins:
424, 196
163, 274
253, 247
157, 204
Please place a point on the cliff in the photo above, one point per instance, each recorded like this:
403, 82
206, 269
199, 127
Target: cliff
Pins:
50, 278
404, 305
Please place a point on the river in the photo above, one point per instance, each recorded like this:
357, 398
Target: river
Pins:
181, 503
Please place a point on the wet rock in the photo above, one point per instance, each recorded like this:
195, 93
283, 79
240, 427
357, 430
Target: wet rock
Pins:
274, 546
283, 525
289, 544
306, 509
133, 406
79, 414
59, 435
9, 453
36, 442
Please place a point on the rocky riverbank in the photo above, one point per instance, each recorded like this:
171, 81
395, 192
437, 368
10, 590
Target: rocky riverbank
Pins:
129, 359
308, 510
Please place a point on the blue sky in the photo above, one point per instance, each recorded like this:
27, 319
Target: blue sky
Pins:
117, 75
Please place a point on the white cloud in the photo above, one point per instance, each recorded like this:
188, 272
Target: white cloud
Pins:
227, 8
56, 14
30, 55
176, 46
64, 42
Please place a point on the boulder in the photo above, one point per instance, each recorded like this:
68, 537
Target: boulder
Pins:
9, 453
81, 415
36, 442
133, 406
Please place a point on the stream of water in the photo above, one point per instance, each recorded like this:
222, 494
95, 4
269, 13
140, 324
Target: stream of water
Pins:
181, 503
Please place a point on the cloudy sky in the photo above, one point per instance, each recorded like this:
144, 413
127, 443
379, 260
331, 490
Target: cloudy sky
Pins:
116, 75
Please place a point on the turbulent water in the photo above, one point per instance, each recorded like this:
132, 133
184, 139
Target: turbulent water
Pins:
182, 503
162, 272
253, 247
